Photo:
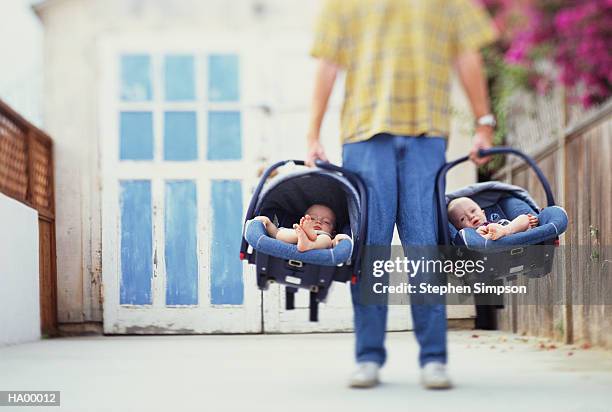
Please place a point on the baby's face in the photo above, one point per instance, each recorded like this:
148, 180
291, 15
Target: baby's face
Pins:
323, 217
464, 212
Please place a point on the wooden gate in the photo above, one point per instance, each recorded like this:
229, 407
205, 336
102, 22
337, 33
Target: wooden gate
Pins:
26, 174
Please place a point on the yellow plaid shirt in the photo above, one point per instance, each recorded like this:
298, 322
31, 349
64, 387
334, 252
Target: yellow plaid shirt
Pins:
398, 56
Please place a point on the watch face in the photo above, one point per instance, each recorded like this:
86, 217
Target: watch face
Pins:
487, 120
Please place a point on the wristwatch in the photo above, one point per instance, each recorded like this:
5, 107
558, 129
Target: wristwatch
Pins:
486, 120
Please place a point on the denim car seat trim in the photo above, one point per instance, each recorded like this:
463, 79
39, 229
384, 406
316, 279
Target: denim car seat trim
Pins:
555, 226
563, 210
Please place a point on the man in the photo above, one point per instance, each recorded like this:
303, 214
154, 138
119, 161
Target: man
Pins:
398, 56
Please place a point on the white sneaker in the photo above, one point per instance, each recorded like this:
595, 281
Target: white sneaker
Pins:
366, 375
434, 376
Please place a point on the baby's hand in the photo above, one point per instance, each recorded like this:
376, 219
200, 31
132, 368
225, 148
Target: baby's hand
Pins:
533, 221
263, 219
496, 231
482, 231
340, 237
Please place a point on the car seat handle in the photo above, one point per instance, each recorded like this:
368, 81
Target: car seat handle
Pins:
550, 199
442, 214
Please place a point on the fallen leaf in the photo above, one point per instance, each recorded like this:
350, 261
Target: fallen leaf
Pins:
475, 336
586, 345
570, 353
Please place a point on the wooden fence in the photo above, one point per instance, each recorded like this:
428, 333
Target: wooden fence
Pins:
578, 163
26, 174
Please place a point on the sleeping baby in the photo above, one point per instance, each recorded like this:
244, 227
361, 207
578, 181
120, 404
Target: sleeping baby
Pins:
316, 229
464, 212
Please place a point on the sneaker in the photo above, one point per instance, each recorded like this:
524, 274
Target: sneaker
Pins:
366, 375
433, 376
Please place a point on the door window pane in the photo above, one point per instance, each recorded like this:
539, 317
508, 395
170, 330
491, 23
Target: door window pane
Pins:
136, 242
136, 78
224, 136
223, 78
179, 78
226, 285
136, 136
180, 136
181, 253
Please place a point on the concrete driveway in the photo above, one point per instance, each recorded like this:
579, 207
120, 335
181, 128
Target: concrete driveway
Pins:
493, 372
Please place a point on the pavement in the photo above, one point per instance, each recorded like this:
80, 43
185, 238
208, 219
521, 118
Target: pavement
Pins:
492, 371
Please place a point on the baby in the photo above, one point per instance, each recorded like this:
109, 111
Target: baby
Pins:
316, 229
464, 212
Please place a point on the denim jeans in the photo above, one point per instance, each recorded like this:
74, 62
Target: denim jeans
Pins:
399, 173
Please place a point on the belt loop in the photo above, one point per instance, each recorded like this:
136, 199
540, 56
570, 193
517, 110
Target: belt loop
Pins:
399, 143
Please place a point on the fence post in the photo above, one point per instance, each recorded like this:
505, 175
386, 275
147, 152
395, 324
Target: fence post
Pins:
568, 314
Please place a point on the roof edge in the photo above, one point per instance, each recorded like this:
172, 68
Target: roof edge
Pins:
40, 6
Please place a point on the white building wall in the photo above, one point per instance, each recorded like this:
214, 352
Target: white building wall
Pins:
69, 114
21, 80
19, 287
74, 29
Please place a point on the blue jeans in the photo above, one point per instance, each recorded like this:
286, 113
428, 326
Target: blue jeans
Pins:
399, 173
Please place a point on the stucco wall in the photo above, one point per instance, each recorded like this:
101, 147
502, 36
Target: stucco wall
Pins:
74, 30
19, 296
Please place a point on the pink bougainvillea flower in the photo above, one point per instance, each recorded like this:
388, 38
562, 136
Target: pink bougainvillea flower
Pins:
575, 34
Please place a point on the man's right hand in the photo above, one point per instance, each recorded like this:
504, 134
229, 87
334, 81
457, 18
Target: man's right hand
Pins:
483, 139
315, 151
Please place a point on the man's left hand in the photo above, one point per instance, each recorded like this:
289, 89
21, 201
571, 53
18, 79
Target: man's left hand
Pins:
483, 139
